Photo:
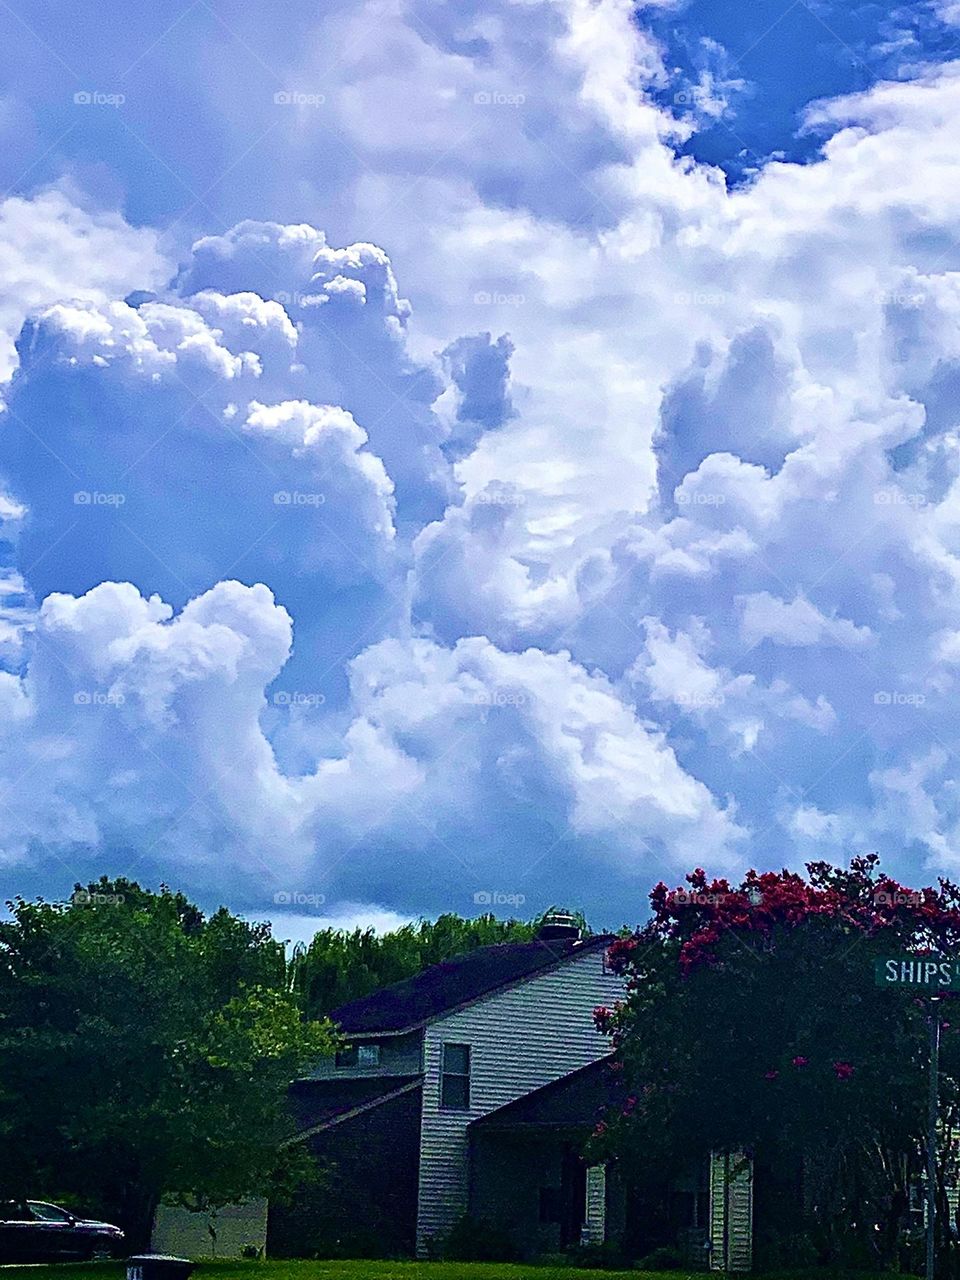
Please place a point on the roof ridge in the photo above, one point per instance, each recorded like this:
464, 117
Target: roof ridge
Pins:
412, 1002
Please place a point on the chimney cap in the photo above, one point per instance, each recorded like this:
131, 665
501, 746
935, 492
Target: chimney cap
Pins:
558, 924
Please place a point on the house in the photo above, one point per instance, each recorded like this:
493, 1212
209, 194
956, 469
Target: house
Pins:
468, 1092
432, 1083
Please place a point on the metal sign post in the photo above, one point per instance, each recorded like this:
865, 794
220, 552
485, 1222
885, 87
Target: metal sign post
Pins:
933, 975
933, 1021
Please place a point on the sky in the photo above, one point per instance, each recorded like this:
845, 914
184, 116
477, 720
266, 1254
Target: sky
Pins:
463, 457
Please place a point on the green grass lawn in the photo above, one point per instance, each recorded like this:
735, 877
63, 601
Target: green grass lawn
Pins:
363, 1269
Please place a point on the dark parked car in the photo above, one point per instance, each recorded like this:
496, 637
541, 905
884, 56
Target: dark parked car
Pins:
33, 1231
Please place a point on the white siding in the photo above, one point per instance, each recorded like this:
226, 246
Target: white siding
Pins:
519, 1039
224, 1233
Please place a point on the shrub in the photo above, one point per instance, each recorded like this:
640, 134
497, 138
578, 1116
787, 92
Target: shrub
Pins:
666, 1258
476, 1240
607, 1256
781, 1251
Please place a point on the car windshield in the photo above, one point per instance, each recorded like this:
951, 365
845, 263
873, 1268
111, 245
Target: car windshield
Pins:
48, 1212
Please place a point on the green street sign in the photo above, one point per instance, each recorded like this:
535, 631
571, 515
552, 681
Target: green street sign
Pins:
928, 973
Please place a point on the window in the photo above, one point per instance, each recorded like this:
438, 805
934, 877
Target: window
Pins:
48, 1212
359, 1055
455, 1077
15, 1211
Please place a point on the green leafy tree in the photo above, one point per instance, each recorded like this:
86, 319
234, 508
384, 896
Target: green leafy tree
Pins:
145, 1050
752, 1021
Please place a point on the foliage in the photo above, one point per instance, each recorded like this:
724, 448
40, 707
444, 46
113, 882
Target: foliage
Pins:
145, 1049
666, 1258
752, 1021
475, 1240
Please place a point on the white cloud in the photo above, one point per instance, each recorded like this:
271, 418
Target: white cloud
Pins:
52, 247
731, 420
797, 622
136, 723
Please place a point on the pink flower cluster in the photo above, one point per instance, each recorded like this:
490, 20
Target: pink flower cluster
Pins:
699, 917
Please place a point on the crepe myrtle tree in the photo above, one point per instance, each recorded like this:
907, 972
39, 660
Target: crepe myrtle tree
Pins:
752, 1021
145, 1051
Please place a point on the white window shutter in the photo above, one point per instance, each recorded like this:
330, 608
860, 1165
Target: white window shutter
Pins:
731, 1211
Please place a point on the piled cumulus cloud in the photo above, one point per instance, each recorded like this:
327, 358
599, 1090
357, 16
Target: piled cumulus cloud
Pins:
139, 725
632, 542
51, 247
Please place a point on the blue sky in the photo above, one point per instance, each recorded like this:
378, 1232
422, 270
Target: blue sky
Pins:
476, 454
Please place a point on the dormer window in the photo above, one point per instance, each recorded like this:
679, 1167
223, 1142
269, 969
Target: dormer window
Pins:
363, 1056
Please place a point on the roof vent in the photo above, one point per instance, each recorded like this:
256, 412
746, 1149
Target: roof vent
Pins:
558, 925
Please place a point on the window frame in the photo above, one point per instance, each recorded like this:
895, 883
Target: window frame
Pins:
458, 1077
372, 1052
351, 1057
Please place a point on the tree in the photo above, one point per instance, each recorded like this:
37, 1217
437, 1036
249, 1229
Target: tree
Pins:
145, 1049
752, 1021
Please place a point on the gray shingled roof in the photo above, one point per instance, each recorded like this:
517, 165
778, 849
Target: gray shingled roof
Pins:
577, 1100
456, 982
313, 1103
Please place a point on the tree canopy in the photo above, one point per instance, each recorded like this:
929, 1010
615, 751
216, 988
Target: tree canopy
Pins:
752, 1021
145, 1049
